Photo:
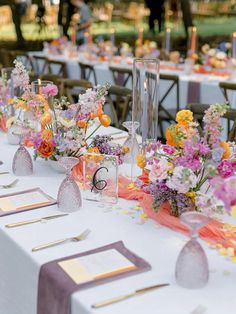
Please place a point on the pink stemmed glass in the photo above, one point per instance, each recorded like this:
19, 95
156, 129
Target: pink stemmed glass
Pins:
192, 270
69, 197
22, 164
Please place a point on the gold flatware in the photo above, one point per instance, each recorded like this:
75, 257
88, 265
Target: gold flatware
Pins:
4, 172
32, 221
127, 296
78, 238
10, 185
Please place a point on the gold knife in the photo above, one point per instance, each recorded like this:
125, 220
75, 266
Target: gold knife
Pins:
127, 296
32, 221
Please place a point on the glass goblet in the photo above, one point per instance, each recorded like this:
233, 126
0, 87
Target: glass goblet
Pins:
69, 197
22, 164
192, 270
131, 141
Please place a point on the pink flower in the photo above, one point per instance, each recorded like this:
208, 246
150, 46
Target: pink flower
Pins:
159, 170
226, 168
50, 90
168, 149
224, 190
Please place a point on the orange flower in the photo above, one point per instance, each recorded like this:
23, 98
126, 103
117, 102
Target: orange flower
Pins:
226, 148
47, 135
46, 149
82, 124
93, 150
125, 149
105, 120
46, 119
170, 138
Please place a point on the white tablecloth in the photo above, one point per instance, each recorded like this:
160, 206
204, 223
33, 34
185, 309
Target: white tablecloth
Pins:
19, 267
210, 92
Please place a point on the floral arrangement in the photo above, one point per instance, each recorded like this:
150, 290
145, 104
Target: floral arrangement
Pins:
65, 133
182, 170
216, 58
148, 49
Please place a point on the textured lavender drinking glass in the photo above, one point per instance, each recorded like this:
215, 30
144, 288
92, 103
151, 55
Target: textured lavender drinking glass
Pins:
22, 164
192, 270
69, 197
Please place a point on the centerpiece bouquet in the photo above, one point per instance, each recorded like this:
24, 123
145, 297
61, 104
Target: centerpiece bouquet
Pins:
68, 130
180, 172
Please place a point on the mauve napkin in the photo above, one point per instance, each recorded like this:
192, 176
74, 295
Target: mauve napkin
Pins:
193, 92
55, 287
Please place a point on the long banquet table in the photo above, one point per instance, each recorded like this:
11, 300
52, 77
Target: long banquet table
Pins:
210, 92
19, 267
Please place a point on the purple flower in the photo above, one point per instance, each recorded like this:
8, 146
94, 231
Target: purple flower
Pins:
224, 190
50, 90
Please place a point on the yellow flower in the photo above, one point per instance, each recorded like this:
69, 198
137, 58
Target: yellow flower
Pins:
191, 195
226, 148
184, 117
125, 149
171, 167
10, 122
11, 101
141, 161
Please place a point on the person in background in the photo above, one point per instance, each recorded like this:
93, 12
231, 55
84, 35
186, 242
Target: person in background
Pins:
85, 20
66, 10
187, 15
18, 9
157, 11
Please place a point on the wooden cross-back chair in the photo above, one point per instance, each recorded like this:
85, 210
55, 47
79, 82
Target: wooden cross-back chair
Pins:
119, 98
39, 64
198, 111
57, 67
226, 88
72, 88
87, 71
121, 76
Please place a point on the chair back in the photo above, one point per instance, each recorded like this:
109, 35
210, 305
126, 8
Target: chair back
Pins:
122, 76
87, 72
72, 88
119, 99
57, 67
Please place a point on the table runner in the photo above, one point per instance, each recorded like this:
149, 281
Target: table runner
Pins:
55, 286
193, 92
216, 233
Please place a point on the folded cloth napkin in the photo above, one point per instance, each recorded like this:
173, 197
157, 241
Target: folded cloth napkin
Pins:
193, 92
55, 287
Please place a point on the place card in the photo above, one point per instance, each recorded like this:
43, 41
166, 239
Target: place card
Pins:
97, 266
24, 200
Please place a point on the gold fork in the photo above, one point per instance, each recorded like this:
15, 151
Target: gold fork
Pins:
10, 185
78, 238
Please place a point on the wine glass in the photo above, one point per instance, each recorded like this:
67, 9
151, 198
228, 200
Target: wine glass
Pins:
192, 270
69, 197
22, 164
131, 141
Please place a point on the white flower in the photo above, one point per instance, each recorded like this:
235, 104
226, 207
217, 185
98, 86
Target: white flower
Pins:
211, 52
66, 123
182, 180
220, 55
10, 122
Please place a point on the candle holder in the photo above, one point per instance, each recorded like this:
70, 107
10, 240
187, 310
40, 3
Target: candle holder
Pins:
37, 86
146, 97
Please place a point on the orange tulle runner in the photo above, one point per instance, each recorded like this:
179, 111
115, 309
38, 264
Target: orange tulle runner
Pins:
3, 122
218, 234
